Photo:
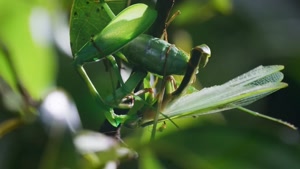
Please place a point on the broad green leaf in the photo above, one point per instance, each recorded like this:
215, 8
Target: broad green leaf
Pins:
5, 70
214, 147
148, 160
30, 52
88, 18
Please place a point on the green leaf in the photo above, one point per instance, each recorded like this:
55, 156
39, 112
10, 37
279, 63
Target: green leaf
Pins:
148, 160
32, 59
213, 147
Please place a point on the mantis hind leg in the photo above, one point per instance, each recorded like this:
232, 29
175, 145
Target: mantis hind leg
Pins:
199, 57
111, 58
106, 104
116, 70
165, 34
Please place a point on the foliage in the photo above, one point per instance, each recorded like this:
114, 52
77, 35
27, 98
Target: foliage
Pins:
39, 130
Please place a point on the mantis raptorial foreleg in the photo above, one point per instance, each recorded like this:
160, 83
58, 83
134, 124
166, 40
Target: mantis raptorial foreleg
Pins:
199, 57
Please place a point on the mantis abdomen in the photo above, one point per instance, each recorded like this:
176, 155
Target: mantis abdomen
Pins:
156, 55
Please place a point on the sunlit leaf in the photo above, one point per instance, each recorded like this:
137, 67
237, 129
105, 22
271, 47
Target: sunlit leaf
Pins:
24, 32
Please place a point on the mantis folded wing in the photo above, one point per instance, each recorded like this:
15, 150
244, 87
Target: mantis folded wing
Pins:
240, 91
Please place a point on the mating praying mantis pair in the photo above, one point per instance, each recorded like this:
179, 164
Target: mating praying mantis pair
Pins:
123, 37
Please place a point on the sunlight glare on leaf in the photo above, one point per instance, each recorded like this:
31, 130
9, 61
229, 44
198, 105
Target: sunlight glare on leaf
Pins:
88, 142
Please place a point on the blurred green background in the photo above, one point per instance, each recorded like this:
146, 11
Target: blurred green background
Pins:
241, 34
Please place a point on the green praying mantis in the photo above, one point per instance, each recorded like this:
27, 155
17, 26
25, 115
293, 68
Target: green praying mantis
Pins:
108, 42
123, 37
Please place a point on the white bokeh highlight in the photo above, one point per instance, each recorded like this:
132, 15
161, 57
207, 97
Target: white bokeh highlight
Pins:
58, 110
